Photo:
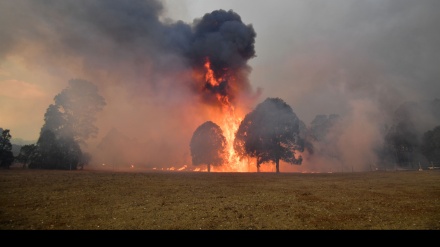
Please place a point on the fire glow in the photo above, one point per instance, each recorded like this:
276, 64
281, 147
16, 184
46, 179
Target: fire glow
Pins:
229, 120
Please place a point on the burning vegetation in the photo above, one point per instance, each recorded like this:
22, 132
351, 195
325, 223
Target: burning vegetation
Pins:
223, 45
222, 89
169, 95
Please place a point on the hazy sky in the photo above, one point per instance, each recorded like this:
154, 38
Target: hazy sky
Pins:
350, 57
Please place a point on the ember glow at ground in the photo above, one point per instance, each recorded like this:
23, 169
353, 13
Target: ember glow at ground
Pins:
166, 67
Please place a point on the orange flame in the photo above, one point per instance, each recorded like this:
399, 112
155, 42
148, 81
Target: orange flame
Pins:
209, 76
229, 124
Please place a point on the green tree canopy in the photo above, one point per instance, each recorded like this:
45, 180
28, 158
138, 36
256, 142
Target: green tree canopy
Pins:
269, 133
208, 145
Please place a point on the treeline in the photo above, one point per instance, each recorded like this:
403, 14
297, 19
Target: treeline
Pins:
410, 141
272, 132
413, 138
68, 123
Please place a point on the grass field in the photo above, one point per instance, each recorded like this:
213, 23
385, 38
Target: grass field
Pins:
91, 200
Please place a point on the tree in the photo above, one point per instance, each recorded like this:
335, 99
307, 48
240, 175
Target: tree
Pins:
26, 153
269, 133
403, 139
325, 131
305, 138
248, 143
68, 124
70, 153
84, 160
208, 145
74, 112
56, 121
55, 153
45, 156
6, 155
322, 124
430, 146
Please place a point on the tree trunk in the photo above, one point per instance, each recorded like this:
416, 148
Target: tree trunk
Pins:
258, 165
209, 168
277, 165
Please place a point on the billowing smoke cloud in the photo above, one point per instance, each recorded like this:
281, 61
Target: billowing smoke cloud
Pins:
129, 38
358, 59
223, 38
149, 70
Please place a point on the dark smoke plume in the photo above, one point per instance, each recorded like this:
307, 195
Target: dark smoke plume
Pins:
149, 69
113, 34
228, 43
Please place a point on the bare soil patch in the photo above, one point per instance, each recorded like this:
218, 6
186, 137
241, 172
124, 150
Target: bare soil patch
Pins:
90, 200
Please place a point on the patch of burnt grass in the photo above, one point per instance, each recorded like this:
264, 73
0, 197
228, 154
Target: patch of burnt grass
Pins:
46, 199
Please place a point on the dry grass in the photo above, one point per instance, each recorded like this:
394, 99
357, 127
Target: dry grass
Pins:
89, 200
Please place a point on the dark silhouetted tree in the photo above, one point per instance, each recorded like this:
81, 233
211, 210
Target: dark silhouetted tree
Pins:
55, 153
56, 121
70, 153
74, 112
247, 142
430, 146
84, 160
6, 155
403, 139
26, 153
269, 133
325, 131
208, 145
68, 124
321, 125
46, 155
305, 140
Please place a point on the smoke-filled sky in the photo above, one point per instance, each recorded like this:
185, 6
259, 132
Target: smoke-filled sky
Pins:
356, 58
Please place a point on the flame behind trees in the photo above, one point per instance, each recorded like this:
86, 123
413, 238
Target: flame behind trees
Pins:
222, 88
220, 47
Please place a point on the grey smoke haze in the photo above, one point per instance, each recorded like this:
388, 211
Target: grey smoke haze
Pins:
358, 59
339, 50
142, 65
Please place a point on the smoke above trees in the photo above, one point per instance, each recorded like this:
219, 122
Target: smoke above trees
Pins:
146, 67
359, 61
